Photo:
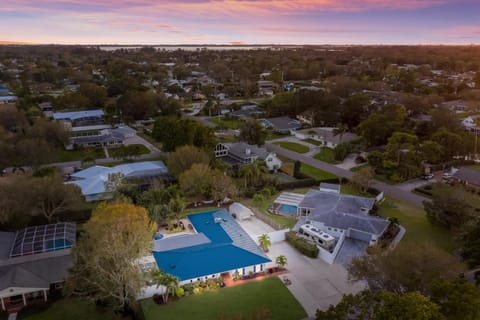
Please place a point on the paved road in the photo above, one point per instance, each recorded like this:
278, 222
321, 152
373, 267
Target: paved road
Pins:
391, 190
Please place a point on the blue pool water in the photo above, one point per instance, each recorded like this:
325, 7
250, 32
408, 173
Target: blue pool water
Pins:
287, 209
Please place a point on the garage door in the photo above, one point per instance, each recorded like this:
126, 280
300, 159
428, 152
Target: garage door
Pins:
359, 235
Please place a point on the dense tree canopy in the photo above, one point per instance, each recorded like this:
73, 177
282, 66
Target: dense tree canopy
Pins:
104, 257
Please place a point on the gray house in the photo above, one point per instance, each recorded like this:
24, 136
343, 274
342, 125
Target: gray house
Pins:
282, 125
337, 213
33, 262
242, 153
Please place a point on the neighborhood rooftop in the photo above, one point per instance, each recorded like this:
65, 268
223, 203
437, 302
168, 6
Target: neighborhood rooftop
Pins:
228, 248
93, 179
343, 211
74, 115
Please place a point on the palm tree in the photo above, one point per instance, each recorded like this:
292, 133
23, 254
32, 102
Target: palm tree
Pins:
265, 242
281, 261
169, 282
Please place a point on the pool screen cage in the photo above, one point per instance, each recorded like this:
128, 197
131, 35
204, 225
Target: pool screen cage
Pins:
45, 238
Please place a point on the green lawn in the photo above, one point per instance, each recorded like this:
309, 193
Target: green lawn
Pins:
326, 155
350, 188
232, 303
124, 151
78, 154
299, 148
475, 167
225, 123
311, 141
72, 309
418, 229
262, 207
273, 135
316, 173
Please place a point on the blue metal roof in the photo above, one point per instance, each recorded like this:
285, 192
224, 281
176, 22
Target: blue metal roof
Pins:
230, 248
74, 115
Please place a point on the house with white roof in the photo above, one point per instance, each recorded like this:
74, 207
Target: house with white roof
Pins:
93, 181
326, 136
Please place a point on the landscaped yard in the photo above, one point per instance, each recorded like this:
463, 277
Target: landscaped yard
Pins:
311, 141
263, 206
418, 229
126, 151
326, 155
232, 303
72, 309
316, 173
299, 148
78, 154
225, 123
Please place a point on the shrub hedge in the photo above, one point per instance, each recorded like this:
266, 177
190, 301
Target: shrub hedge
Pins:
302, 245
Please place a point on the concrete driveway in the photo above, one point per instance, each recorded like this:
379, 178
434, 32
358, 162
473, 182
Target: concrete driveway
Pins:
315, 284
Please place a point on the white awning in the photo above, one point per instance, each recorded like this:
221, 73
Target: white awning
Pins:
289, 198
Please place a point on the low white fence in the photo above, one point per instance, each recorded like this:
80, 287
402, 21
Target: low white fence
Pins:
275, 236
328, 257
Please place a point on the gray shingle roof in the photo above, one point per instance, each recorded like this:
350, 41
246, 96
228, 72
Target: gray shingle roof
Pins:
284, 123
240, 150
468, 175
343, 211
328, 135
35, 274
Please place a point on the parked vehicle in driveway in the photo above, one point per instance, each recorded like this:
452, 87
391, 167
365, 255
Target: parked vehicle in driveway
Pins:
427, 176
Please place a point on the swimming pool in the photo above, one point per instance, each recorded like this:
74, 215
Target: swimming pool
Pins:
287, 209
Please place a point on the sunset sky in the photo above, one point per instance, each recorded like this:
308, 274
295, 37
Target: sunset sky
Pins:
241, 21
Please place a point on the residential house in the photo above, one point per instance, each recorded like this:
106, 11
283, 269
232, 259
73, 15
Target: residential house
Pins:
248, 111
93, 181
34, 262
456, 105
80, 118
339, 215
282, 125
241, 153
218, 246
326, 136
467, 176
267, 87
469, 123
99, 136
6, 96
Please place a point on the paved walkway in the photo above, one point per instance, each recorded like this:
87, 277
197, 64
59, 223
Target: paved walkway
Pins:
392, 190
314, 149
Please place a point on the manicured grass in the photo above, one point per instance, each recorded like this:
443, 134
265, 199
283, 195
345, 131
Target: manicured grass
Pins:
442, 188
225, 123
326, 155
78, 154
311, 141
273, 135
418, 229
350, 188
125, 151
72, 309
316, 173
299, 148
475, 167
236, 302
